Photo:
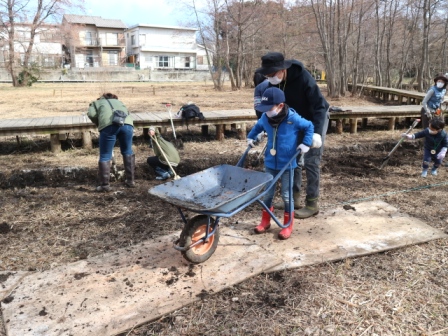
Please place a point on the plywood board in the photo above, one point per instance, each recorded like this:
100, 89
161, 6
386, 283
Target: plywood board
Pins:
110, 294
337, 233
8, 281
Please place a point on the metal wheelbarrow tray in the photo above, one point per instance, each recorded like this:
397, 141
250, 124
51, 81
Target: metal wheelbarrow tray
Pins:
219, 189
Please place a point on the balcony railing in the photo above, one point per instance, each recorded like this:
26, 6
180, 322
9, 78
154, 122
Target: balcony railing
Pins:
103, 42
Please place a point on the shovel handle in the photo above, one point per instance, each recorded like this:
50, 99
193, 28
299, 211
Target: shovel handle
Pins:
416, 121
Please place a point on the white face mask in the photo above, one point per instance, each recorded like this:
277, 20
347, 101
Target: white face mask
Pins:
272, 113
439, 84
432, 132
274, 80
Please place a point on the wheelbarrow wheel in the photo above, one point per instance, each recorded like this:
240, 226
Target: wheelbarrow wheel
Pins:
193, 231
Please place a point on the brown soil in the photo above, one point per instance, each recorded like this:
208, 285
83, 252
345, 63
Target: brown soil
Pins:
51, 216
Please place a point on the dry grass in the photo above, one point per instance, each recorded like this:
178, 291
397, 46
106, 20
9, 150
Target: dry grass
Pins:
63, 99
400, 292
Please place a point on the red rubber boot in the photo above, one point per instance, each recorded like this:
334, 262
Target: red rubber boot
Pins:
286, 233
265, 222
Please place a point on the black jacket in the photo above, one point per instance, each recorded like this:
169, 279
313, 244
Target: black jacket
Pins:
302, 94
433, 141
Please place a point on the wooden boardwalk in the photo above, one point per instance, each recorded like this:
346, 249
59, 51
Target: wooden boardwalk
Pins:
59, 127
390, 94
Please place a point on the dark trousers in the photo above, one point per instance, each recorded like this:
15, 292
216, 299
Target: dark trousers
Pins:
428, 157
154, 162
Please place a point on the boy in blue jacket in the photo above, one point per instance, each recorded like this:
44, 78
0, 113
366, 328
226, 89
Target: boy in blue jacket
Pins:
435, 146
287, 132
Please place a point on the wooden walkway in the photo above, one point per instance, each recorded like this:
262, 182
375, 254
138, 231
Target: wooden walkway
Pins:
389, 94
60, 127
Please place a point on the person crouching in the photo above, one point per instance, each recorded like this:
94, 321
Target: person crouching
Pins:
159, 161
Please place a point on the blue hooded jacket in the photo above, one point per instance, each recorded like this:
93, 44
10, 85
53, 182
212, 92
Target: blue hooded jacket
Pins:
287, 135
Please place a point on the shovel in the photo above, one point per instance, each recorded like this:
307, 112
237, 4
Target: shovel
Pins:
386, 159
177, 142
257, 160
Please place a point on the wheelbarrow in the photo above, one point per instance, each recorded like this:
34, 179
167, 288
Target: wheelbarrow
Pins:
215, 193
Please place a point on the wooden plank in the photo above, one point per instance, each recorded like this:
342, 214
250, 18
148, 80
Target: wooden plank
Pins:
4, 124
150, 116
44, 121
136, 116
80, 123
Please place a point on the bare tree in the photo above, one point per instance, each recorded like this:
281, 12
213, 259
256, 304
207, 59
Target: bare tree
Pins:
35, 14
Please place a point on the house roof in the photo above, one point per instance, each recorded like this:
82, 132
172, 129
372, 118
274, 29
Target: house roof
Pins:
158, 26
94, 20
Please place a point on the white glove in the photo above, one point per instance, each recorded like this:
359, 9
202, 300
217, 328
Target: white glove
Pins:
303, 148
441, 154
317, 141
407, 136
250, 142
260, 137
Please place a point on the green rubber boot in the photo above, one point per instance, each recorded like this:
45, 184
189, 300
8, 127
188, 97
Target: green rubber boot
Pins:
311, 209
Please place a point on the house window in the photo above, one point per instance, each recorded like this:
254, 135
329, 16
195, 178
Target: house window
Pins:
163, 61
200, 59
113, 57
112, 39
23, 36
133, 39
187, 61
88, 38
89, 58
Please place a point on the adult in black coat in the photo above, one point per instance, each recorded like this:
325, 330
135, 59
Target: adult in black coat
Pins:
304, 96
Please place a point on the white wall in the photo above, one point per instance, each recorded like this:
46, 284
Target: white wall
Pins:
155, 45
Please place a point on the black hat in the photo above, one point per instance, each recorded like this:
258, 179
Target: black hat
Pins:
441, 77
272, 96
273, 62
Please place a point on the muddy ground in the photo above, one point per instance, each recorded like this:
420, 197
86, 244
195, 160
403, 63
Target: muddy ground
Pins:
51, 216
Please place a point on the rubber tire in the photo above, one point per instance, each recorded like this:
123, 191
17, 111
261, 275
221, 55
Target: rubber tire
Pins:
194, 230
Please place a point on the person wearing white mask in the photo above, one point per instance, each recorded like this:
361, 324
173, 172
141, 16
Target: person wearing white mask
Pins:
433, 99
435, 147
287, 132
304, 96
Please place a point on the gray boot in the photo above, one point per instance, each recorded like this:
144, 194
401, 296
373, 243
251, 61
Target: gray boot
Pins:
129, 169
103, 176
311, 208
296, 197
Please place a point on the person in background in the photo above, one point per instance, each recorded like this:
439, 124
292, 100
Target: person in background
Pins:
101, 114
258, 79
304, 96
287, 132
435, 147
158, 162
433, 100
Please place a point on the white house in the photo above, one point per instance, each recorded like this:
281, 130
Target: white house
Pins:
164, 47
47, 46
